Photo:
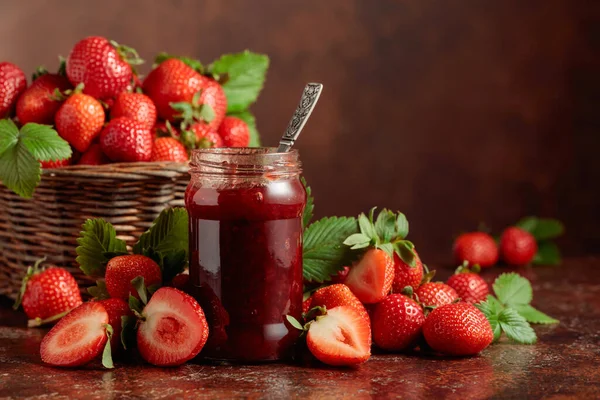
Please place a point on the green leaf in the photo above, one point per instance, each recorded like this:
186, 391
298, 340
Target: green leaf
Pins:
533, 315
307, 216
294, 322
245, 75
135, 305
366, 227
44, 143
9, 134
401, 226
405, 251
516, 327
128, 324
492, 308
512, 289
542, 228
107, 361
388, 248
324, 253
173, 263
99, 292
19, 170
249, 119
547, 254
168, 233
140, 288
357, 241
98, 237
385, 225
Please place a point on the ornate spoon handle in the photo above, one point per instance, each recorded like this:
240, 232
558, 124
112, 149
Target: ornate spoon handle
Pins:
309, 99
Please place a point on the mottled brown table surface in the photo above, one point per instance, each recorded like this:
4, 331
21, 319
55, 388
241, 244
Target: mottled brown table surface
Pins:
564, 364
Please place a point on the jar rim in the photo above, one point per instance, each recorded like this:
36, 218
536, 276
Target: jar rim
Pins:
245, 160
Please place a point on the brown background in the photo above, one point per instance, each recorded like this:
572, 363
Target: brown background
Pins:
455, 112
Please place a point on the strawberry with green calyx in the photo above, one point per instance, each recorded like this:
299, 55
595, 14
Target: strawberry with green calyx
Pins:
103, 66
371, 277
203, 136
334, 296
38, 103
517, 248
467, 283
196, 110
62, 348
339, 337
21, 152
165, 129
510, 311
47, 295
118, 310
476, 248
405, 275
121, 270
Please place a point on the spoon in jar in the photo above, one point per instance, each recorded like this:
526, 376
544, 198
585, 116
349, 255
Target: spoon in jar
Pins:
309, 99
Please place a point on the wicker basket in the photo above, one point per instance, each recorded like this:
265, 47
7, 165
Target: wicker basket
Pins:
129, 196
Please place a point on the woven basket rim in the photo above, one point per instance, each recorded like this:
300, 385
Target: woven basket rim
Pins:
118, 170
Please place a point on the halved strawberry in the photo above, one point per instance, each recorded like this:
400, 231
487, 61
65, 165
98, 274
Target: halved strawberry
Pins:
78, 338
173, 328
337, 295
341, 337
371, 278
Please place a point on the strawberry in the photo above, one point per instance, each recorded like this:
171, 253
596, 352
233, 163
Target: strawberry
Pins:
436, 294
172, 81
37, 103
79, 120
337, 295
306, 305
116, 308
181, 282
121, 270
57, 163
518, 247
405, 275
341, 337
47, 295
126, 140
93, 156
234, 132
371, 278
397, 323
206, 136
457, 329
165, 129
341, 275
102, 66
173, 328
469, 286
476, 248
136, 106
169, 149
78, 338
12, 83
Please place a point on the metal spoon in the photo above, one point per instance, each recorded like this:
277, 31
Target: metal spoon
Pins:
309, 99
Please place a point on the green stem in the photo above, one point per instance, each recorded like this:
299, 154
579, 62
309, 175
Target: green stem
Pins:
32, 323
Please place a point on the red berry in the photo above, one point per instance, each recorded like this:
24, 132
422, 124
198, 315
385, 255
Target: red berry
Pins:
169, 149
12, 83
470, 287
181, 282
36, 104
136, 106
56, 164
476, 248
77, 338
173, 330
49, 293
79, 120
405, 275
96, 63
234, 132
206, 135
341, 275
126, 140
121, 270
116, 308
518, 247
342, 337
457, 329
371, 278
337, 295
397, 322
436, 294
93, 156
306, 305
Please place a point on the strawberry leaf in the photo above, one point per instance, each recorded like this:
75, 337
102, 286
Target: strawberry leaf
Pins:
245, 73
140, 287
128, 324
249, 119
401, 226
9, 134
388, 248
542, 228
357, 241
307, 216
44, 143
367, 228
492, 308
294, 322
99, 292
135, 305
19, 170
173, 263
516, 327
405, 250
547, 254
533, 315
107, 361
513, 289
98, 237
385, 225
324, 253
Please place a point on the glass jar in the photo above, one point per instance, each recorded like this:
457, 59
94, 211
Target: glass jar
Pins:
245, 218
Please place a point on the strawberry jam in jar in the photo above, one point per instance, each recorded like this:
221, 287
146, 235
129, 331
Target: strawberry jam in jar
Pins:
245, 218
